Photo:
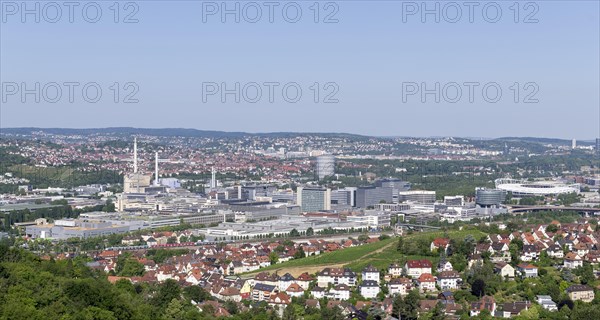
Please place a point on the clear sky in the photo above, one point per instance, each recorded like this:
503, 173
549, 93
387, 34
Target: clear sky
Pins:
371, 61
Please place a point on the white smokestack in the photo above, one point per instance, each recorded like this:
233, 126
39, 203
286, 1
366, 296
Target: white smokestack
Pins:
213, 180
156, 169
134, 155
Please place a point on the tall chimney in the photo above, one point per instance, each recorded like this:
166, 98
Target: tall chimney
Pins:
134, 155
156, 169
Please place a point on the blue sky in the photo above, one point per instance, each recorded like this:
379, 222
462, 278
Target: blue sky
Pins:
370, 58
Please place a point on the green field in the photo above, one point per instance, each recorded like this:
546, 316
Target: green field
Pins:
330, 258
381, 260
379, 254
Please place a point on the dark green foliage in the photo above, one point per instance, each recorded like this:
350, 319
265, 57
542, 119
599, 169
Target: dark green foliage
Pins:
196, 293
407, 307
161, 255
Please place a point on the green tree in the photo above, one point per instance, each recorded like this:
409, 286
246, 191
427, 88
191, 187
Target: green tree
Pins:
407, 307
299, 253
174, 310
478, 288
585, 273
438, 312
132, 268
109, 206
196, 293
289, 313
400, 245
273, 257
552, 228
167, 291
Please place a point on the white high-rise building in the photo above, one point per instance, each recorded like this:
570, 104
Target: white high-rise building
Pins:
313, 199
573, 144
213, 179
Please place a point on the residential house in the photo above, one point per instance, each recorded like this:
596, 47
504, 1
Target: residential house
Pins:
267, 278
312, 303
246, 289
439, 244
547, 303
318, 292
448, 280
370, 273
513, 309
572, 261
426, 282
527, 270
580, 292
505, 270
555, 251
340, 292
235, 267
295, 290
285, 281
336, 276
414, 268
530, 253
395, 270
499, 247
474, 259
581, 249
230, 294
279, 299
399, 286
444, 265
486, 303
369, 289
263, 292
304, 280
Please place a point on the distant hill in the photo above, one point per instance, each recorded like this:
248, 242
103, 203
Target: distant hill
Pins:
163, 132
553, 141
183, 132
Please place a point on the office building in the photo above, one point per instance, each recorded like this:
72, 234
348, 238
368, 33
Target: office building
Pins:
78, 228
453, 201
418, 196
172, 183
343, 197
489, 197
250, 192
369, 196
313, 199
397, 185
372, 219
